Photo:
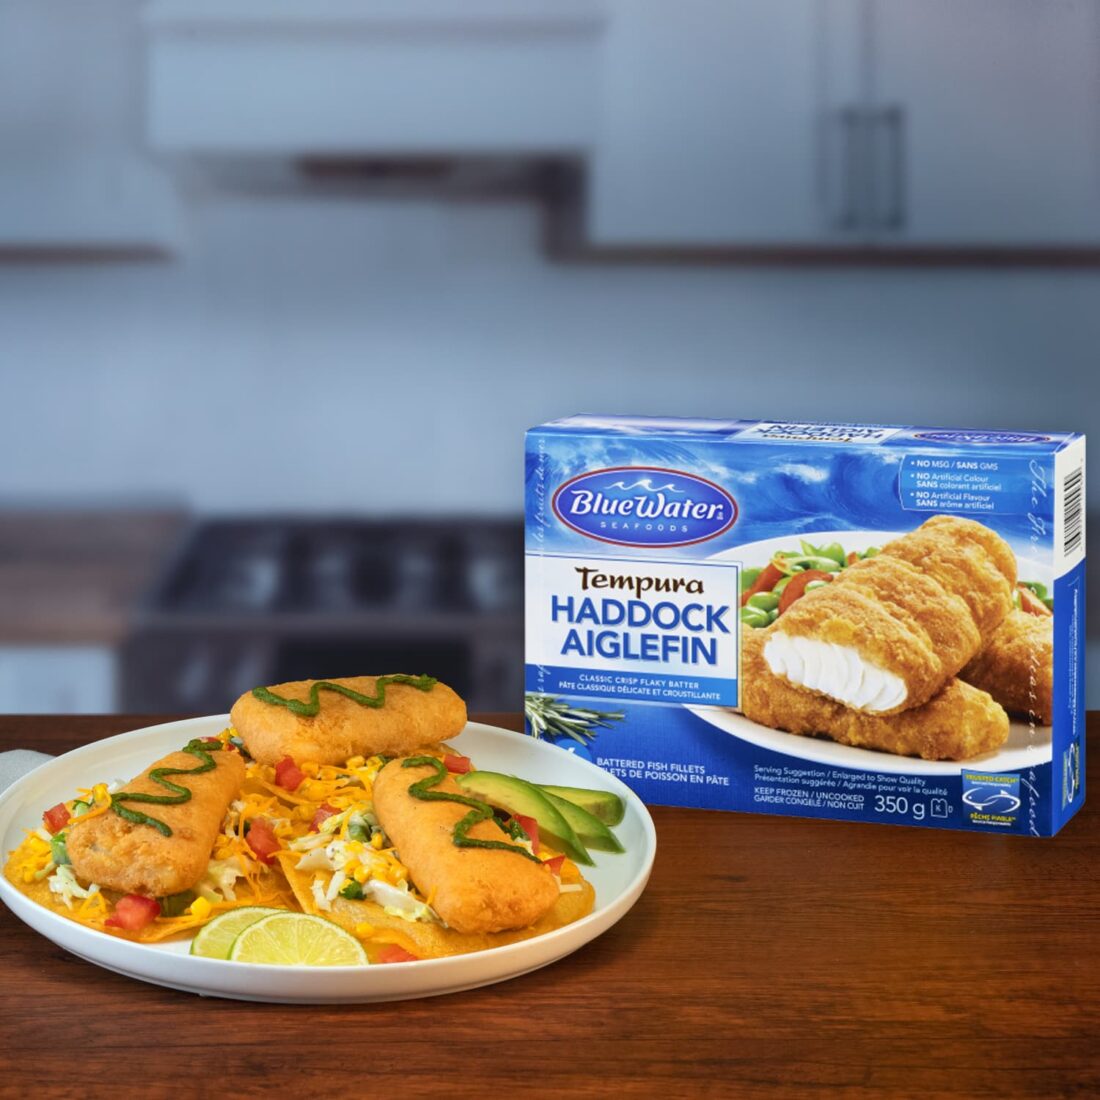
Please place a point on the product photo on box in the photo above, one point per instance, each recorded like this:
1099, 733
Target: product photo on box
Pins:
866, 622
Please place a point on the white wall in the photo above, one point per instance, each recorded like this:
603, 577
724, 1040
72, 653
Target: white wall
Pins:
308, 354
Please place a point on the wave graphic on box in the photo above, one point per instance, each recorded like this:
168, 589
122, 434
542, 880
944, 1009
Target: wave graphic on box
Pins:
837, 491
647, 484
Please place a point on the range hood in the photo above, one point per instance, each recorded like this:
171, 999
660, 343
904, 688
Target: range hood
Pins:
389, 77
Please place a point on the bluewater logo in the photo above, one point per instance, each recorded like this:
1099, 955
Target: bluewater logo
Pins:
982, 437
646, 506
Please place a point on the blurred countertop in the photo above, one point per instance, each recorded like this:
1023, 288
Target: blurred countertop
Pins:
75, 577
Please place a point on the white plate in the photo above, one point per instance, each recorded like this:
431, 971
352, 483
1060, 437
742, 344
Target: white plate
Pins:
618, 880
1026, 746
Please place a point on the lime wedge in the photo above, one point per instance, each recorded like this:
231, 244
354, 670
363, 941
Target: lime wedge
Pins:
214, 939
297, 939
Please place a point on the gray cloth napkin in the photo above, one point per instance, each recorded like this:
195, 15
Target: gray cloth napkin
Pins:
17, 763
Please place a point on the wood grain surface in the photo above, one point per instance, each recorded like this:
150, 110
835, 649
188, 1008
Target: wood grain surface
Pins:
769, 957
77, 577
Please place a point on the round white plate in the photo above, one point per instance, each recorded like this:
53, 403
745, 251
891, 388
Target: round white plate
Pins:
1026, 746
618, 880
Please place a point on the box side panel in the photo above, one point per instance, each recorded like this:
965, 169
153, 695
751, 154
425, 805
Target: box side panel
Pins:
1068, 764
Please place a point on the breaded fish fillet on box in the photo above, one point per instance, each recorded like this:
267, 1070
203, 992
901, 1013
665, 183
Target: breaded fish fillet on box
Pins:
969, 560
490, 885
328, 721
1017, 667
960, 722
889, 632
138, 858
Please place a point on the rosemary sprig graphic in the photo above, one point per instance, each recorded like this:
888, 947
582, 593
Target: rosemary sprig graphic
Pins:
551, 716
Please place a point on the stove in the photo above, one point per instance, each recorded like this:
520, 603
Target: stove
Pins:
261, 601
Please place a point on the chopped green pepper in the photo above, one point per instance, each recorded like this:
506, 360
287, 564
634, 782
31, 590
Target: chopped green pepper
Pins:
58, 852
748, 578
175, 905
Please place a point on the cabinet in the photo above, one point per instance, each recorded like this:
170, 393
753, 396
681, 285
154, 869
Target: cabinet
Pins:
73, 175
707, 131
62, 679
848, 123
986, 119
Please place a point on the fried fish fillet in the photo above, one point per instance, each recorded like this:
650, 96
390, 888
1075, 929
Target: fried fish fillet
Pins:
969, 559
890, 631
958, 723
1017, 667
137, 859
409, 719
429, 939
472, 889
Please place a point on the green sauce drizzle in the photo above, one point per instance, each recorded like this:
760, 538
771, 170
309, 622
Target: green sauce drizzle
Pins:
479, 811
197, 748
311, 708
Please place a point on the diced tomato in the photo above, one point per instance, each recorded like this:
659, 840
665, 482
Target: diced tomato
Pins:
796, 586
1031, 603
554, 864
262, 839
531, 827
133, 912
324, 812
57, 817
391, 953
211, 740
769, 577
288, 775
458, 765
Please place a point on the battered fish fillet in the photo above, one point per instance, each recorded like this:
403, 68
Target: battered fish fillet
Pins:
969, 560
958, 723
428, 939
1017, 667
890, 631
409, 719
473, 889
137, 859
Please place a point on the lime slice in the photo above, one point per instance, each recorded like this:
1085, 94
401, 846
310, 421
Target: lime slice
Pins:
214, 939
297, 939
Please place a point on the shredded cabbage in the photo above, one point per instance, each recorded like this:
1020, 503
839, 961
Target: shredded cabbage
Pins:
63, 883
398, 902
218, 882
318, 892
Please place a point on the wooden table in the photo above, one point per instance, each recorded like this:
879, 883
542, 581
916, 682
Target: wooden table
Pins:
769, 957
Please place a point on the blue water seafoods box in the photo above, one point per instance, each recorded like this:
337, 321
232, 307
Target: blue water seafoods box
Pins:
865, 622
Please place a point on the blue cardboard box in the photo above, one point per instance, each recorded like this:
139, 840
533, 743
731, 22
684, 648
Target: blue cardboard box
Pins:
867, 622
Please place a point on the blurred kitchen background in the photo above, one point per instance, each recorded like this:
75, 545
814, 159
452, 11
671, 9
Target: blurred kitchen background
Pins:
282, 283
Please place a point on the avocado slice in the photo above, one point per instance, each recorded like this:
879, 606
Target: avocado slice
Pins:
608, 807
592, 831
517, 796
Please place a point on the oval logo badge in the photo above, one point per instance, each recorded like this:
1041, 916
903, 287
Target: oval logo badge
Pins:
646, 506
982, 437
